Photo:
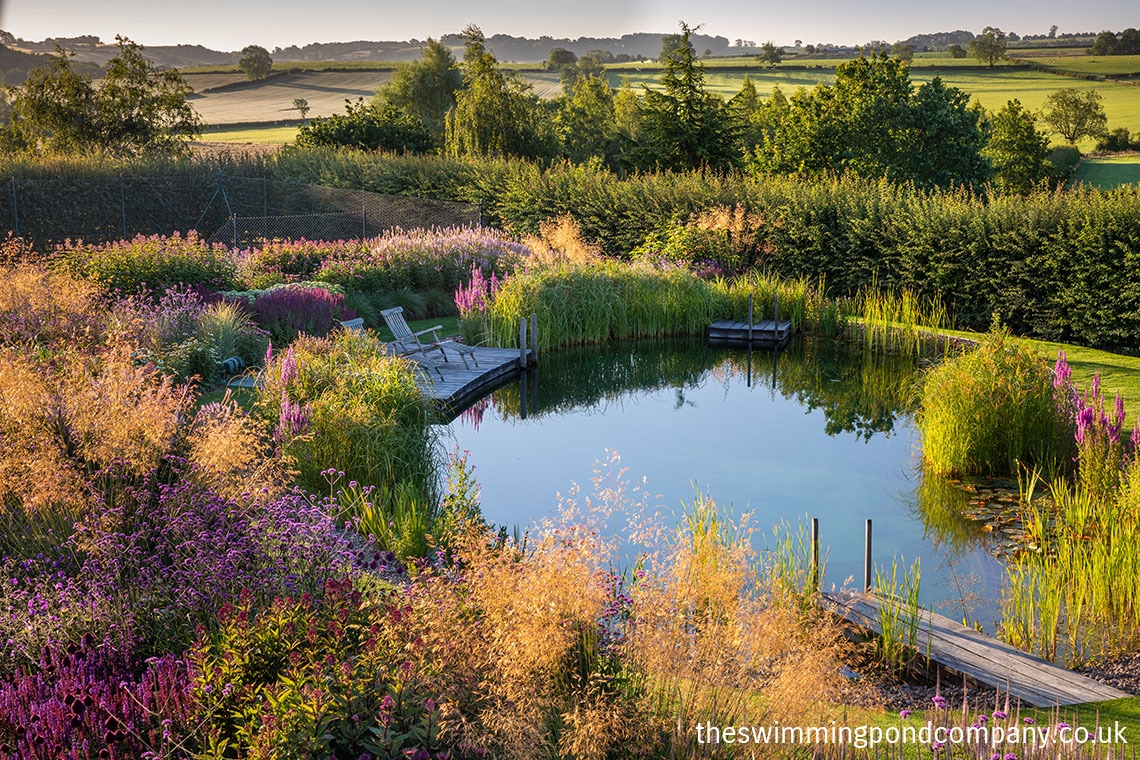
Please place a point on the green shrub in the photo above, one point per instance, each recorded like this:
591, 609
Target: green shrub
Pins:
992, 410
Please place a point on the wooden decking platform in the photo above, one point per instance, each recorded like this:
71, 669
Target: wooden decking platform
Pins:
765, 334
983, 658
460, 386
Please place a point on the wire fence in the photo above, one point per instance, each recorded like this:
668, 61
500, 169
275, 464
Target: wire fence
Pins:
237, 211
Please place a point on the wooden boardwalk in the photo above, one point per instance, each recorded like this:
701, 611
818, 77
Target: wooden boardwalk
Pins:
765, 334
983, 658
460, 386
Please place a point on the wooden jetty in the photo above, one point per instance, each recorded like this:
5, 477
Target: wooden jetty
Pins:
983, 658
460, 385
766, 334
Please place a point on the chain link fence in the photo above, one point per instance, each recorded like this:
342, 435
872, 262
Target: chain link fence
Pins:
237, 211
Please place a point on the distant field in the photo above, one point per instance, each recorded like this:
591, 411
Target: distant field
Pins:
1107, 173
272, 100
1093, 64
253, 135
295, 66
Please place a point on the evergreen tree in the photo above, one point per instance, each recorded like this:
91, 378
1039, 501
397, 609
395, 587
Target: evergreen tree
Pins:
683, 126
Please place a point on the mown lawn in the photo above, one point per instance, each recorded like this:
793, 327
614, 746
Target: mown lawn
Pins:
1107, 173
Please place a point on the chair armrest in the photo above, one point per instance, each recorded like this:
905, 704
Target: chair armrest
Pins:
432, 330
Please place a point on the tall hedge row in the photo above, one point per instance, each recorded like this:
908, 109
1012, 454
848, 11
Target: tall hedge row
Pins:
1057, 265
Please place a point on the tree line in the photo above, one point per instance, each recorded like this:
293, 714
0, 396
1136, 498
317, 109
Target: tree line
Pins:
872, 122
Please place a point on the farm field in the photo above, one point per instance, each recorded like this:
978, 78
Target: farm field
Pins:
243, 102
1107, 173
1097, 65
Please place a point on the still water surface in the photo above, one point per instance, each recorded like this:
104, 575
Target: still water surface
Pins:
818, 430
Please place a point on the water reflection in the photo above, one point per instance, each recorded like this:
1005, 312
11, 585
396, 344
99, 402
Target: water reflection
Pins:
820, 430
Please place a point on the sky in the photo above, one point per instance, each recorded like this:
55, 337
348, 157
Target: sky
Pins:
231, 25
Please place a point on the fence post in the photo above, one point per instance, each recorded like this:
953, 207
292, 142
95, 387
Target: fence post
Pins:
522, 343
363, 215
15, 210
265, 197
123, 204
234, 220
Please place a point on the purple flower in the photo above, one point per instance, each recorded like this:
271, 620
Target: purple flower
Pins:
904, 713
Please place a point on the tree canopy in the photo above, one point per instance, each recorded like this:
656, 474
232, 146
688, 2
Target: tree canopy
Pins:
426, 87
873, 123
1074, 114
989, 46
1016, 149
137, 109
496, 113
255, 62
682, 126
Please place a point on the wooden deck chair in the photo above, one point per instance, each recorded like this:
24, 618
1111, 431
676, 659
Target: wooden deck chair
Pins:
354, 325
409, 343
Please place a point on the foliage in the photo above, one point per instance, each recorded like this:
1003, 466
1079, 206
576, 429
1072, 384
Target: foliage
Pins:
344, 403
873, 123
993, 410
495, 113
302, 106
255, 62
152, 264
1108, 43
586, 122
770, 54
380, 126
426, 87
682, 126
1116, 141
1016, 149
136, 109
297, 679
989, 46
1074, 114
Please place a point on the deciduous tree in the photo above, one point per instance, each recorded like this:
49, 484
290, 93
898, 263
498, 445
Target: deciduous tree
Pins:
136, 109
255, 62
426, 87
374, 126
1075, 114
496, 113
1016, 149
989, 46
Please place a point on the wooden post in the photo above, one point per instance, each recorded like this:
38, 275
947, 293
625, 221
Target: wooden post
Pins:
522, 343
751, 296
522, 395
867, 558
815, 554
776, 317
533, 338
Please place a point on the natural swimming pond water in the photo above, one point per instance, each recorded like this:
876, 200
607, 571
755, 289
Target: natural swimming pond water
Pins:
817, 430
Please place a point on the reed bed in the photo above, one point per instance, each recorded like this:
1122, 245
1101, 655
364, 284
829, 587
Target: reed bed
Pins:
990, 410
897, 322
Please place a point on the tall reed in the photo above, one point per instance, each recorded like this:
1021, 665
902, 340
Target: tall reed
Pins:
991, 409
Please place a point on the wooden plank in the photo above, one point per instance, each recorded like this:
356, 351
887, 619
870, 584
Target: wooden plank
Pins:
983, 658
460, 386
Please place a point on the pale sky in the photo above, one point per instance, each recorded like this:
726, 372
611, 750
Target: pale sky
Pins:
232, 24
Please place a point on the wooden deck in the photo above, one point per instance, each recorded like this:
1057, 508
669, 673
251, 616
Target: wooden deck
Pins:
461, 386
765, 334
985, 659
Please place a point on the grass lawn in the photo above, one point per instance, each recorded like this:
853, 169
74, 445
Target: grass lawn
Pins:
1107, 173
258, 135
